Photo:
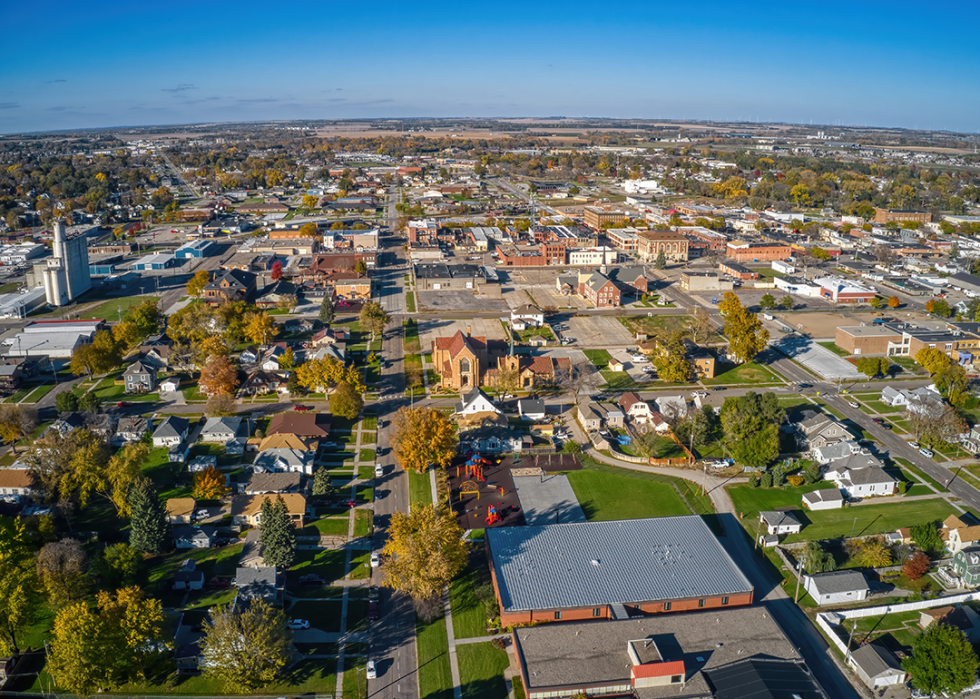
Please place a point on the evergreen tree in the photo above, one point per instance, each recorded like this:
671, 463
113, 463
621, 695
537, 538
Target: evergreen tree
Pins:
321, 482
661, 261
149, 529
277, 535
326, 310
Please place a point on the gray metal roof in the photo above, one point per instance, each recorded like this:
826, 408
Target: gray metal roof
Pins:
839, 581
622, 561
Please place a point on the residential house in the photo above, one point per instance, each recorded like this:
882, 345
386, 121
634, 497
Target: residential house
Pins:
966, 566
261, 382
260, 583
672, 407
531, 409
103, 425
286, 440
156, 352
821, 430
194, 537
961, 617
777, 522
535, 372
247, 509
202, 463
131, 429
270, 360
188, 577
631, 281
615, 365
591, 415
232, 285
958, 534
476, 405
252, 551
599, 290
249, 355
309, 425
262, 483
924, 401
284, 460
634, 407
838, 587
834, 452
824, 499
329, 336
181, 510
878, 667
171, 432
277, 293
660, 426
861, 476
222, 430
528, 314
171, 385
493, 439
16, 485
140, 378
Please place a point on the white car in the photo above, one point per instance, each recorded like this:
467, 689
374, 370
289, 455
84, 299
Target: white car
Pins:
372, 671
379, 470
638, 358
299, 624
375, 560
202, 514
914, 445
926, 452
649, 370
853, 404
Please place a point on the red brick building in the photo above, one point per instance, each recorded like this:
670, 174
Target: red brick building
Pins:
737, 271
589, 570
599, 290
548, 254
740, 251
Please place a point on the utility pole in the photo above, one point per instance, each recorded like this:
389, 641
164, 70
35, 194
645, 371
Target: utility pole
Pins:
799, 574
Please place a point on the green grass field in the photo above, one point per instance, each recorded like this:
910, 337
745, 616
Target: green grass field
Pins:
469, 612
432, 648
331, 526
865, 520
600, 358
749, 502
748, 373
110, 309
419, 488
481, 671
832, 346
606, 496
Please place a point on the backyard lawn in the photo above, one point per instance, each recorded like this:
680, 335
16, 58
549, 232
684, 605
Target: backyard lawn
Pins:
748, 373
599, 358
749, 502
481, 671
864, 520
608, 495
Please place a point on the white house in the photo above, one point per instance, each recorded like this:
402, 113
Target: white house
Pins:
824, 499
221, 430
923, 400
528, 314
202, 463
194, 537
861, 476
835, 452
171, 432
284, 461
634, 407
777, 522
475, 402
492, 439
671, 407
531, 408
838, 587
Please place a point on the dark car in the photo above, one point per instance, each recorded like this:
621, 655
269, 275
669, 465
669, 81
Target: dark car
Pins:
302, 408
373, 611
311, 579
219, 582
877, 421
374, 594
805, 385
718, 388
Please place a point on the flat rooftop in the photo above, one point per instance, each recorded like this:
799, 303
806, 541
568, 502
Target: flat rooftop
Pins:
561, 566
869, 331
596, 652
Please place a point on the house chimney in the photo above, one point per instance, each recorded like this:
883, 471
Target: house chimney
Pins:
467, 331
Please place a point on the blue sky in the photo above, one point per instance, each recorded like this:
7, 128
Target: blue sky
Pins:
72, 65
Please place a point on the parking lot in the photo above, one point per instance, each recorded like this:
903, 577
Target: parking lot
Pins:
816, 358
459, 301
429, 329
597, 331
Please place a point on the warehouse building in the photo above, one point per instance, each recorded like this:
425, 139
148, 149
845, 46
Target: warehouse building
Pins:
197, 248
610, 569
160, 260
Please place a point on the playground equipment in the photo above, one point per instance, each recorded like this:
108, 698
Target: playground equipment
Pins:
469, 488
492, 516
473, 468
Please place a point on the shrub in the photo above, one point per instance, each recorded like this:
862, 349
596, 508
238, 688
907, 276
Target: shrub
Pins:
902, 487
766, 480
753, 481
795, 480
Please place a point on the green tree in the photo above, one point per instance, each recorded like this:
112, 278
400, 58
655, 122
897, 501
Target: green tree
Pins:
876, 302
322, 484
768, 302
20, 589
122, 563
671, 359
816, 560
661, 261
66, 402
872, 366
374, 317
345, 401
277, 535
745, 333
360, 267
942, 661
751, 428
327, 313
787, 302
62, 567
874, 553
149, 528
89, 402
926, 537
246, 649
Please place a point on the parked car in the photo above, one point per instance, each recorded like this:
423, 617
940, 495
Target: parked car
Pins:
926, 452
375, 560
329, 445
372, 672
299, 624
311, 579
123, 404
379, 470
302, 408
379, 451
219, 582
374, 594
877, 421
348, 503
373, 611
853, 404
202, 514
649, 370
914, 445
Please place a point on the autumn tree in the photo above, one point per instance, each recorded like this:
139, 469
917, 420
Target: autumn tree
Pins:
374, 317
894, 302
195, 287
20, 589
146, 317
71, 466
100, 356
277, 270
310, 201
126, 333
504, 381
219, 376
16, 422
122, 470
209, 484
149, 528
874, 553
287, 359
277, 533
345, 401
320, 374
221, 405
746, 336
671, 360
701, 326
916, 566
943, 661
873, 366
246, 647
260, 327
308, 230
422, 436
62, 567
424, 552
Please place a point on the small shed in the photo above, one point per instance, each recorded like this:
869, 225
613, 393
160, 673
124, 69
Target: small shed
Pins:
778, 522
615, 365
824, 499
838, 587
877, 666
